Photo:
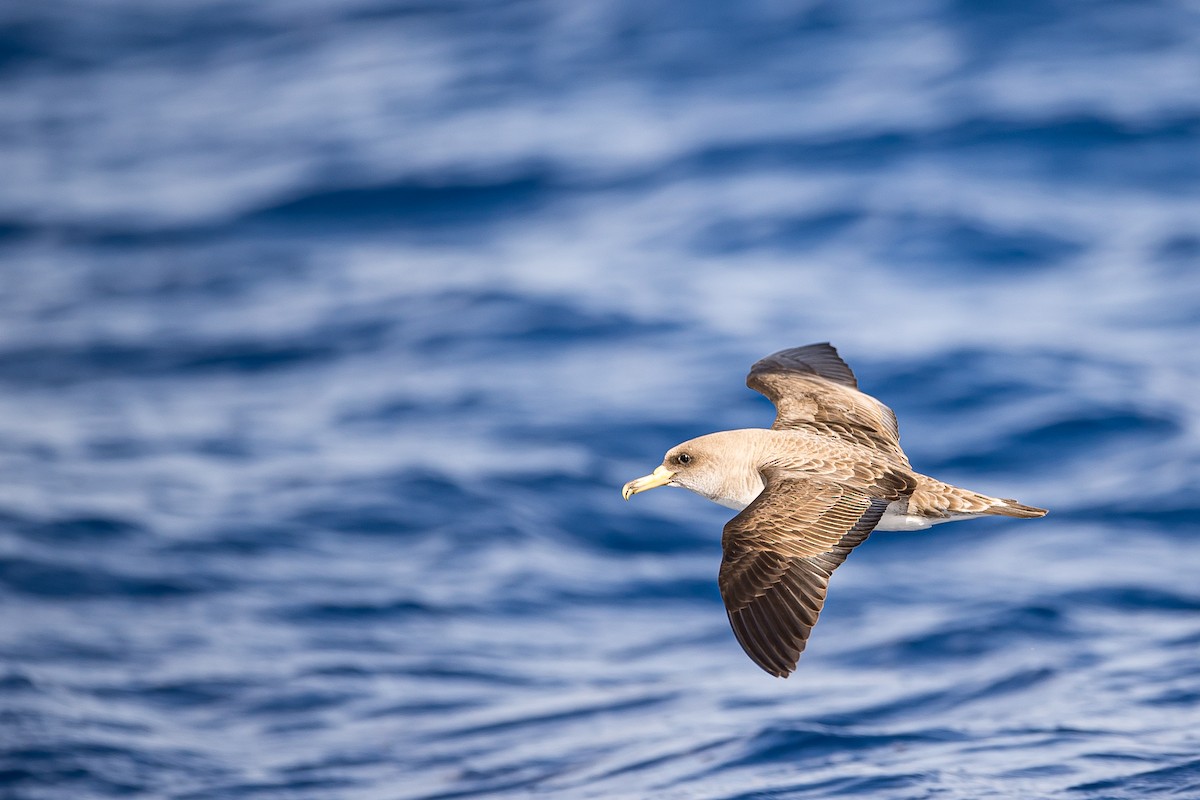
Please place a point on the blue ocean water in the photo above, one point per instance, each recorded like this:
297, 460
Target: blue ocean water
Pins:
330, 331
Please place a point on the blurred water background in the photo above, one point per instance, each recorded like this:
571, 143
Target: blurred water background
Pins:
330, 329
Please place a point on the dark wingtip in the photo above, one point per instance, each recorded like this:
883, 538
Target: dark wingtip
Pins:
821, 359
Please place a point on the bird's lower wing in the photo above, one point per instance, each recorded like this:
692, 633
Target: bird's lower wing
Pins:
779, 553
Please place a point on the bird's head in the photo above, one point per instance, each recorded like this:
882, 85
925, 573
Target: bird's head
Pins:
694, 465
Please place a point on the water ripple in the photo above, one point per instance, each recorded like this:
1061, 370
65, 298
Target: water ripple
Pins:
332, 330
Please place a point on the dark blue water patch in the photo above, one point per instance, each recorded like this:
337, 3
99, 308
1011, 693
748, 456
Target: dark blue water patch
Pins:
956, 244
800, 743
876, 786
955, 695
39, 578
1094, 432
1117, 757
520, 775
88, 769
15, 683
968, 384
298, 701
310, 770
971, 639
643, 439
1068, 144
418, 708
406, 503
78, 529
873, 150
646, 46
229, 447
240, 539
1171, 513
452, 675
351, 613
1099, 425
960, 380
326, 341
210, 269
80, 42
67, 364
417, 205
283, 789
1183, 249
406, 408
206, 692
20, 44
533, 722
1012, 684
29, 768
51, 647
368, 518
1039, 771
1036, 737
487, 16
647, 593
438, 207
517, 778
717, 636
12, 231
118, 448
793, 233
1179, 780
1073, 141
1175, 698
1132, 598
598, 519
641, 533
344, 640
686, 753
134, 239
495, 321
989, 30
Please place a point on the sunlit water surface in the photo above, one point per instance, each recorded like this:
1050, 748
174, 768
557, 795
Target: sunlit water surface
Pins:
331, 330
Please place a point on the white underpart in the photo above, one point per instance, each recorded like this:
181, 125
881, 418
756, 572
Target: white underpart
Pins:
730, 502
895, 519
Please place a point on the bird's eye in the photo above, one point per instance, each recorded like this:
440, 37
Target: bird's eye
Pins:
683, 458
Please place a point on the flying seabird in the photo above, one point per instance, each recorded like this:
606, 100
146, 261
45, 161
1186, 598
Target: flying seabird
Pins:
809, 490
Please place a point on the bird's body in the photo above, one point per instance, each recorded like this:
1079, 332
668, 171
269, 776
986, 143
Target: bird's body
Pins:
748, 450
809, 489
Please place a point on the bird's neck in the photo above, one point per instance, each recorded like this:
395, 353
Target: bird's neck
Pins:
743, 481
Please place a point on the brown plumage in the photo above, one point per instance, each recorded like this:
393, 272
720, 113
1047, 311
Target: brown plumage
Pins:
809, 490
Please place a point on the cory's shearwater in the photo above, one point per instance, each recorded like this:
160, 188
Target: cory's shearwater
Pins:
810, 489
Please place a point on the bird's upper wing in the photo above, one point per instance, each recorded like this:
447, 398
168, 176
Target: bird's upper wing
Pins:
782, 548
813, 389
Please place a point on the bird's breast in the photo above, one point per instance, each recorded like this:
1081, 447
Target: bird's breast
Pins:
739, 492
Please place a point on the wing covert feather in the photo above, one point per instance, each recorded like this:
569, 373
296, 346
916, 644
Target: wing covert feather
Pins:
813, 389
779, 554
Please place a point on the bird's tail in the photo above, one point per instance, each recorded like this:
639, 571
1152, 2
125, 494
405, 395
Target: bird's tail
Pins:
1008, 507
939, 498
